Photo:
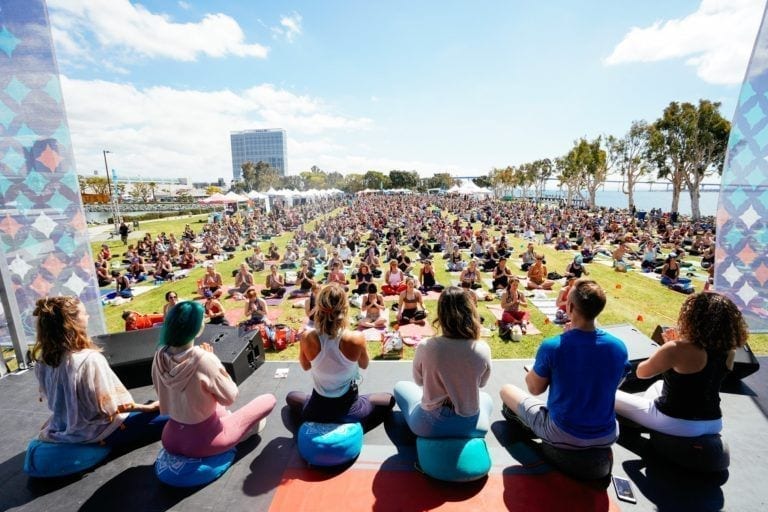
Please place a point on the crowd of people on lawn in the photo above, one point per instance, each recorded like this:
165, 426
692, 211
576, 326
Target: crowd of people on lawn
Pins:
386, 240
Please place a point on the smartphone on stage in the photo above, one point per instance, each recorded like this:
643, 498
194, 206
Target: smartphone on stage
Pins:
624, 489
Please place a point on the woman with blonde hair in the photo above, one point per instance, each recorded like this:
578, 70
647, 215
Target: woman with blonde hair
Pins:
334, 356
88, 402
448, 371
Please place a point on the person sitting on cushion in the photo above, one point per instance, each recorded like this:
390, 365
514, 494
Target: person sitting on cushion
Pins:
448, 371
195, 390
582, 368
693, 361
88, 403
334, 356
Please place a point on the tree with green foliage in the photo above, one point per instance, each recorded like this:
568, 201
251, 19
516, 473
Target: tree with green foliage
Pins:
504, 179
376, 180
483, 181
294, 182
687, 144
141, 191
353, 183
259, 176
334, 180
98, 184
543, 170
404, 179
152, 186
441, 180
630, 153
314, 179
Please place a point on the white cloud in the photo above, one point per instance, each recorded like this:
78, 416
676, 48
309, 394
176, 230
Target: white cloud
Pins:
184, 5
717, 40
161, 131
122, 25
290, 27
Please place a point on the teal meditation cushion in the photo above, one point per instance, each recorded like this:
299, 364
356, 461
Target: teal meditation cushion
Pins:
51, 460
181, 471
453, 459
330, 444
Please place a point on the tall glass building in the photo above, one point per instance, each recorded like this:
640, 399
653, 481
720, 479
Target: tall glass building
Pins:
258, 145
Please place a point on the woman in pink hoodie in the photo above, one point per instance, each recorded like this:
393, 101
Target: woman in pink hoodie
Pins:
194, 389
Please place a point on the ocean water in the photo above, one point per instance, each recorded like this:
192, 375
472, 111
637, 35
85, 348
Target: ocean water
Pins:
645, 200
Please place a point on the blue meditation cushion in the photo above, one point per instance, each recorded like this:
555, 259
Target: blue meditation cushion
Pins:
181, 471
453, 459
705, 454
50, 460
330, 444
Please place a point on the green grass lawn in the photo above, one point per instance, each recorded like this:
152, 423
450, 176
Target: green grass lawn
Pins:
632, 298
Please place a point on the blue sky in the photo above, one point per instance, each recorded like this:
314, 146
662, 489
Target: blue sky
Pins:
429, 86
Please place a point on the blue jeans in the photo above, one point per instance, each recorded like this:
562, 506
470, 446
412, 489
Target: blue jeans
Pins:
443, 421
137, 427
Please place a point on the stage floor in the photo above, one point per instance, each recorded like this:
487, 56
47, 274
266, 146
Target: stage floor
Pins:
269, 474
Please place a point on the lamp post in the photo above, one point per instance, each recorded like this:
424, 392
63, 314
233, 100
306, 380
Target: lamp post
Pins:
111, 193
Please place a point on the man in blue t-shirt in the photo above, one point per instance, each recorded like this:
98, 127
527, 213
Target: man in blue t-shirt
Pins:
582, 368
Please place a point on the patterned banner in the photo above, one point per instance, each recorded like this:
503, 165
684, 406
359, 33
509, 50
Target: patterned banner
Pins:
742, 235
43, 235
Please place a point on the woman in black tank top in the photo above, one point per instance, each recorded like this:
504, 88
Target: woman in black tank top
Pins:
693, 362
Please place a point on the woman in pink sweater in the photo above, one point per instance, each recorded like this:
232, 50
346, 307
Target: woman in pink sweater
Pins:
194, 389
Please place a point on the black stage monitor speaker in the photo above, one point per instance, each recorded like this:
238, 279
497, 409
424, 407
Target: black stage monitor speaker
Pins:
639, 348
130, 353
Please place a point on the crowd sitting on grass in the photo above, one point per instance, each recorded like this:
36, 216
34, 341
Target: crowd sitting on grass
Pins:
387, 239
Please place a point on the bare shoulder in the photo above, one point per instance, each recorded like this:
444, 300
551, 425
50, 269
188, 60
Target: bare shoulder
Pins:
353, 338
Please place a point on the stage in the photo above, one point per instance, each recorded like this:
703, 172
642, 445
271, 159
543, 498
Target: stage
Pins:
269, 474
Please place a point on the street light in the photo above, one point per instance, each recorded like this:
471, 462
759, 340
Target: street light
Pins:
111, 193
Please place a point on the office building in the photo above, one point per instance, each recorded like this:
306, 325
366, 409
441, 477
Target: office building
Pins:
258, 145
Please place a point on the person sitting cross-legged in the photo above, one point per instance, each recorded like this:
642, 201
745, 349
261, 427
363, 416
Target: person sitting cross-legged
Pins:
194, 389
334, 356
448, 371
582, 368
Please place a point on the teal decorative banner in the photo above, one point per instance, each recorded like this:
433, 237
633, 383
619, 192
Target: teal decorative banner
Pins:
741, 270
43, 236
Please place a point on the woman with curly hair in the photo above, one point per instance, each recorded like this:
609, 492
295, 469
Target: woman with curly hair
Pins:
334, 356
693, 362
88, 402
